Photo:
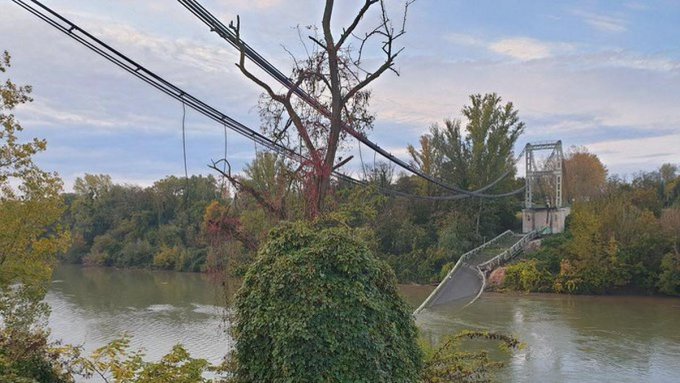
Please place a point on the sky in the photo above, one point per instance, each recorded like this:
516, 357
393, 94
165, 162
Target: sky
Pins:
599, 74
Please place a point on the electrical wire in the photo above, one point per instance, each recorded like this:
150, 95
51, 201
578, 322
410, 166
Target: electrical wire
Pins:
218, 27
80, 35
184, 140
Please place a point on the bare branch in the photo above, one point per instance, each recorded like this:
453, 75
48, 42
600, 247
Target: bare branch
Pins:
242, 187
319, 43
371, 77
349, 30
386, 30
242, 63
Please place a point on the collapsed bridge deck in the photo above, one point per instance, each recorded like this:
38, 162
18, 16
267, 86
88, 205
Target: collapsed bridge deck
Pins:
467, 279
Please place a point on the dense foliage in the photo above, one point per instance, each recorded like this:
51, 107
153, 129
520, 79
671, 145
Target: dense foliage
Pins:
210, 229
127, 226
623, 239
30, 207
116, 362
449, 362
318, 306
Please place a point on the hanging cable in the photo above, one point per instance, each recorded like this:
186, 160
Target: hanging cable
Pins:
184, 141
361, 158
96, 45
227, 34
184, 155
224, 168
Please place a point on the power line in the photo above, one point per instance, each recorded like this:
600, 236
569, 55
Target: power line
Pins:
114, 56
184, 140
218, 27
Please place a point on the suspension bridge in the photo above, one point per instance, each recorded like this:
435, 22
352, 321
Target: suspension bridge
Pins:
467, 279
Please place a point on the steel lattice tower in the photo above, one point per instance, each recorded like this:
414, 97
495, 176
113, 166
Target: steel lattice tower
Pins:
543, 203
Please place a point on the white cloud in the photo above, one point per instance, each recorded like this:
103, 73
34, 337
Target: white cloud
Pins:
648, 63
605, 23
518, 48
626, 156
197, 54
521, 48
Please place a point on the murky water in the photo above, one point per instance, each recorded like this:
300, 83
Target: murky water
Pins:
568, 339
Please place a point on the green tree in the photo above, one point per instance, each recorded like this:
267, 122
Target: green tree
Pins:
426, 160
115, 362
669, 279
448, 362
30, 238
482, 153
318, 306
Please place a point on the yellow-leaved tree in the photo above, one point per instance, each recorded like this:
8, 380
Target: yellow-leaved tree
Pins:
30, 238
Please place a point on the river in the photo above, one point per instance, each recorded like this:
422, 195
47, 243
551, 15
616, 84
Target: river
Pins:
567, 338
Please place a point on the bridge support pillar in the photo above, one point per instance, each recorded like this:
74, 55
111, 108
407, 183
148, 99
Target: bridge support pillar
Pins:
539, 219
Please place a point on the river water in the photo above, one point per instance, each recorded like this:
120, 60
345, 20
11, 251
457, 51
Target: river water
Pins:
567, 338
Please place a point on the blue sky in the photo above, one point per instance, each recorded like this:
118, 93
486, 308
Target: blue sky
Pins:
603, 74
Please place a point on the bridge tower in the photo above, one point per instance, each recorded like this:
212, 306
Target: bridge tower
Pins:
543, 202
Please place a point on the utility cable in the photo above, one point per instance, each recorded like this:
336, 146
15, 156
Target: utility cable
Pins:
184, 141
218, 27
80, 35
184, 155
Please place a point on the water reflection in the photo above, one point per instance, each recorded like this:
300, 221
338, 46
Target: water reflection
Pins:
593, 339
569, 339
91, 306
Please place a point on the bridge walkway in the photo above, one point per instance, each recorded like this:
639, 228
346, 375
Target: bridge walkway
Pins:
467, 279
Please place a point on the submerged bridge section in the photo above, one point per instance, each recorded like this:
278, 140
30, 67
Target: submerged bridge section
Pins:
467, 279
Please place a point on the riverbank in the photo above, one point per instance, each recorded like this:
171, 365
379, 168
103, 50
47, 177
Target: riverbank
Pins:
568, 338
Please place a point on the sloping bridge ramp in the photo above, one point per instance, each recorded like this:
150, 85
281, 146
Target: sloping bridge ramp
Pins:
467, 279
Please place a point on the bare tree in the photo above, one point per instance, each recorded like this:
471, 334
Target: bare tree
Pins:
333, 74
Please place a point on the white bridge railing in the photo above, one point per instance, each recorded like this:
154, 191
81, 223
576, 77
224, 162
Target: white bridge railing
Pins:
508, 254
463, 260
467, 260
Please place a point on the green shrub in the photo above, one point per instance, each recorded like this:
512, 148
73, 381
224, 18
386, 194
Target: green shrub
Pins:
669, 280
526, 276
448, 362
317, 306
27, 357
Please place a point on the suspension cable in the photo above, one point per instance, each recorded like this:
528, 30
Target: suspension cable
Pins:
96, 45
218, 27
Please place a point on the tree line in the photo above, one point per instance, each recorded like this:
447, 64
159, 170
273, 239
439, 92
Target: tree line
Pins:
315, 252
625, 232
621, 237
197, 224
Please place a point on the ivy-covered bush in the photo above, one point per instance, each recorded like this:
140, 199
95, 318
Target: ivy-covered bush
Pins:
317, 306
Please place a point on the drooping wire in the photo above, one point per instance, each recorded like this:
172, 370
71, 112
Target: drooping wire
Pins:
230, 36
80, 35
375, 170
224, 168
184, 140
361, 158
184, 153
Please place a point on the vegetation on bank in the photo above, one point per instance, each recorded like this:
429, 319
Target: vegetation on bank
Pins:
199, 225
621, 236
624, 238
185, 225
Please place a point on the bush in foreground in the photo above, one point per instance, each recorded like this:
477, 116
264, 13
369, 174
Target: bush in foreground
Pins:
318, 306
